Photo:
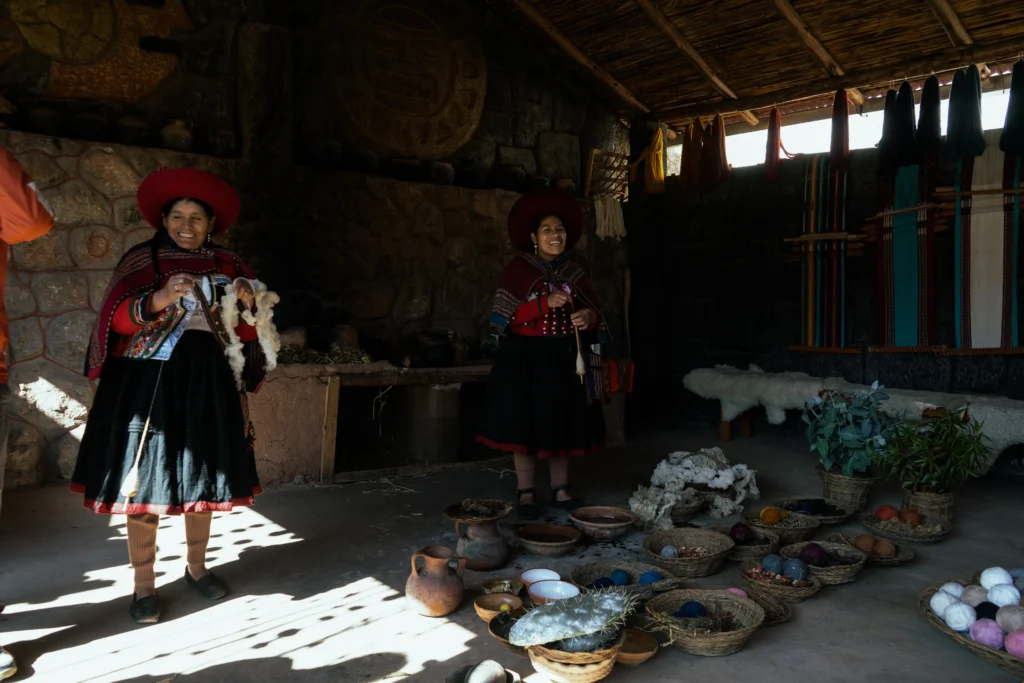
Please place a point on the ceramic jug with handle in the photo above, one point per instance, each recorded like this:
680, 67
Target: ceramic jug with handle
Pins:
435, 588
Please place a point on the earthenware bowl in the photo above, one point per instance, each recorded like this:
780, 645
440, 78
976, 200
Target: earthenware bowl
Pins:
544, 592
489, 606
532, 576
548, 540
602, 522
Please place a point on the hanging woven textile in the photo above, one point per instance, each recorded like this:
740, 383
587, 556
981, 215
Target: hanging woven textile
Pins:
824, 260
774, 149
964, 136
652, 162
1012, 139
714, 166
690, 163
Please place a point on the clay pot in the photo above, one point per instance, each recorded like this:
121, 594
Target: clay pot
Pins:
436, 589
481, 545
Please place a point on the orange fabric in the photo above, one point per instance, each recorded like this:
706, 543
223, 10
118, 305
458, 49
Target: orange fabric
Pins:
22, 218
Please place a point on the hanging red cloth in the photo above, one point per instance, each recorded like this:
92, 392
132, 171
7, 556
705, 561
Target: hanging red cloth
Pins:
839, 150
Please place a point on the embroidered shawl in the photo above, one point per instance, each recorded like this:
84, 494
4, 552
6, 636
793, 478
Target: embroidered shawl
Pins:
142, 269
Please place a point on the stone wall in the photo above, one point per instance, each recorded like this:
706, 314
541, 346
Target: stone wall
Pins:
56, 284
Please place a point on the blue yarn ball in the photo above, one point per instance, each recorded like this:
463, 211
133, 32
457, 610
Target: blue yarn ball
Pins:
650, 577
669, 552
795, 569
691, 610
1017, 573
603, 582
620, 577
773, 563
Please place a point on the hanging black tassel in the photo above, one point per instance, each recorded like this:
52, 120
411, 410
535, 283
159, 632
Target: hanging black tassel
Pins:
929, 123
887, 145
904, 128
1012, 139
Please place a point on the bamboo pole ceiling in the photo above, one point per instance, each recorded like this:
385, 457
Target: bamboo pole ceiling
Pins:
685, 58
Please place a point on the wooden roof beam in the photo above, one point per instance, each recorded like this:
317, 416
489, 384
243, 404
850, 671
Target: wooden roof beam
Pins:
560, 39
937, 62
951, 23
670, 30
824, 57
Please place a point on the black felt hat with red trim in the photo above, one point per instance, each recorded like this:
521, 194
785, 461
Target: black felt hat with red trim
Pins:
160, 187
534, 205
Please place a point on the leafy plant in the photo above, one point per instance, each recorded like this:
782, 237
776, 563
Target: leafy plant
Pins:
936, 455
847, 430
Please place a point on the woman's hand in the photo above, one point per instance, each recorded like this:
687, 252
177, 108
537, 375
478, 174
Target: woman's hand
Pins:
177, 286
557, 299
243, 290
583, 319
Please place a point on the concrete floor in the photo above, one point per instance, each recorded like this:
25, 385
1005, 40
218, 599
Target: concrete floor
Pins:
318, 576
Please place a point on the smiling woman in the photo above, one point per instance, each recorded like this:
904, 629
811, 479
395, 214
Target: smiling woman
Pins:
184, 331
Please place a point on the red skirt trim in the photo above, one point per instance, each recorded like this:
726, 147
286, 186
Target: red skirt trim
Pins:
516, 448
119, 508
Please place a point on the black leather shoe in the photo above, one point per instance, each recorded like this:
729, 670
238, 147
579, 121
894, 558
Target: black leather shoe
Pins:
209, 586
145, 610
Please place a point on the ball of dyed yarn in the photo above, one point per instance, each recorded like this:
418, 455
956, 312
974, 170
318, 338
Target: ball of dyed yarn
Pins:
691, 610
940, 602
1019, 583
953, 588
620, 577
988, 633
959, 616
603, 582
974, 596
1017, 573
1014, 644
795, 569
812, 553
993, 576
773, 563
1004, 594
650, 577
1010, 618
670, 552
986, 610
738, 591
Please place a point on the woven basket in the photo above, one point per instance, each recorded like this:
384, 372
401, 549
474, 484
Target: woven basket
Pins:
757, 589
872, 524
804, 530
718, 544
746, 615
775, 611
575, 667
742, 553
1003, 660
585, 575
903, 553
831, 576
683, 512
822, 519
935, 508
849, 493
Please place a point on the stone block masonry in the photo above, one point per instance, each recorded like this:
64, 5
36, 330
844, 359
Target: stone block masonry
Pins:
55, 286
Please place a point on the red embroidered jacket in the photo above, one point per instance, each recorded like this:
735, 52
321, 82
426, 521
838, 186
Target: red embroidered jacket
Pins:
534, 318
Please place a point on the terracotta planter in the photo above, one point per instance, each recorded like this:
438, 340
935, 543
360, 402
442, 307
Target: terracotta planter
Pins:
935, 508
481, 545
849, 493
436, 589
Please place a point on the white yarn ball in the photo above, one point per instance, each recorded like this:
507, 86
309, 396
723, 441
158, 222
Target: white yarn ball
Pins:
940, 602
993, 576
960, 617
953, 588
1004, 594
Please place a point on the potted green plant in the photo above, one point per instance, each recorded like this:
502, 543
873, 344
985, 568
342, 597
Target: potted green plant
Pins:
932, 458
847, 431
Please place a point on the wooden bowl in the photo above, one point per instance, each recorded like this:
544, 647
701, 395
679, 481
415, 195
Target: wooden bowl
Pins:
532, 576
489, 606
548, 540
545, 592
602, 522
503, 584
638, 648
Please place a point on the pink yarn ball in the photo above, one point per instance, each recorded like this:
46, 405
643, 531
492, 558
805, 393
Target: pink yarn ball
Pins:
1015, 644
738, 591
988, 633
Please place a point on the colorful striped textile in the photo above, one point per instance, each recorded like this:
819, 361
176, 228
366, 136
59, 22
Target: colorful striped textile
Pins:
986, 235
824, 260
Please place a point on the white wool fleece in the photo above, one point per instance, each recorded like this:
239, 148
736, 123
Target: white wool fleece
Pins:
266, 332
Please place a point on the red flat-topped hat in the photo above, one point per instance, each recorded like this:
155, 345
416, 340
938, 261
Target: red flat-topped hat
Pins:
163, 185
536, 204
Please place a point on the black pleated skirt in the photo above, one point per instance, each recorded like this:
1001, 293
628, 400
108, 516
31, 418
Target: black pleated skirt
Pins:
535, 402
196, 456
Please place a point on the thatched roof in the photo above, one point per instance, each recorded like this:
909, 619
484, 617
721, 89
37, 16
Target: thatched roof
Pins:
758, 53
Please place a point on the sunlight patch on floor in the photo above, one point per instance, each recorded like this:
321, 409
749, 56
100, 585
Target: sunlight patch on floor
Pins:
231, 533
360, 619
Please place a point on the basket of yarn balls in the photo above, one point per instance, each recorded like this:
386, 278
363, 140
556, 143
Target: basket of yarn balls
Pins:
776, 577
789, 528
881, 552
818, 508
689, 553
752, 543
643, 581
904, 525
831, 563
986, 617
711, 623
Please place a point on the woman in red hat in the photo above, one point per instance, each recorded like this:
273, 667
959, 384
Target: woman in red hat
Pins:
185, 329
538, 405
